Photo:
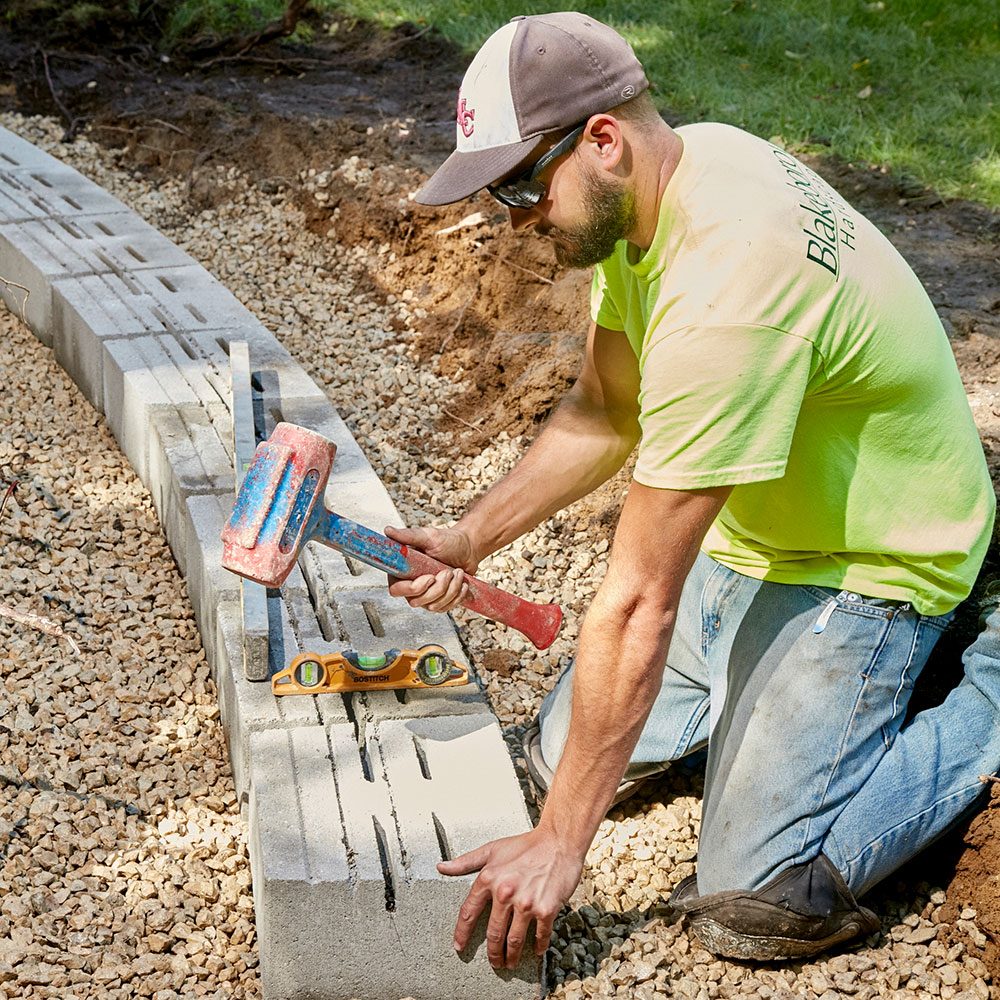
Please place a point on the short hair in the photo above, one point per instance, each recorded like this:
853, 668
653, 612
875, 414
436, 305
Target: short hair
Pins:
640, 110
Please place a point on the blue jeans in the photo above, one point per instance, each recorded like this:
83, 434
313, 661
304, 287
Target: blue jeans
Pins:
800, 693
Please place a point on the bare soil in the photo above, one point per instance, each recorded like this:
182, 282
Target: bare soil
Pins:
497, 316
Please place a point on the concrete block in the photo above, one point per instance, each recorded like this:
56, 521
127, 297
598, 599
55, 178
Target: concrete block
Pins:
209, 584
186, 457
256, 631
87, 313
38, 252
189, 298
19, 154
365, 856
248, 707
56, 190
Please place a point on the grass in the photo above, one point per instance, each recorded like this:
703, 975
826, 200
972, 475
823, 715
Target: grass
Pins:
912, 85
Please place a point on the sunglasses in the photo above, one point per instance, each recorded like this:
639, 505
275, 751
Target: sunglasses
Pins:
524, 191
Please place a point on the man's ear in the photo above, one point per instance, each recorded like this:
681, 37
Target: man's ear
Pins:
605, 141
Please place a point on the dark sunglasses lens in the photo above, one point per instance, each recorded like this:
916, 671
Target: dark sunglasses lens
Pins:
523, 195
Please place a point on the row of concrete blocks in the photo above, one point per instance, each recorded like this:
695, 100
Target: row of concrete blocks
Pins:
350, 800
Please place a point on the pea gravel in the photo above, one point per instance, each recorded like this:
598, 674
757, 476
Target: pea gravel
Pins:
124, 872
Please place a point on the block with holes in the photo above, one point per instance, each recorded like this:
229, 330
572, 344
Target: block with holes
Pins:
346, 827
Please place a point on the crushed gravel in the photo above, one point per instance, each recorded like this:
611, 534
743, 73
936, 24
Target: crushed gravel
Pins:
122, 866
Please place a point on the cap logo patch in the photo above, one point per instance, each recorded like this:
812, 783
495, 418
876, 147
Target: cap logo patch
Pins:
628, 92
466, 118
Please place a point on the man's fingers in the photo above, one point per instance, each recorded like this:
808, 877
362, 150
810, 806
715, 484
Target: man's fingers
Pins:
412, 589
465, 864
516, 936
468, 914
453, 581
543, 931
496, 932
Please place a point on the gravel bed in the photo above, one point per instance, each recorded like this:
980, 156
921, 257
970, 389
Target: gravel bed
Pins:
123, 869
304, 287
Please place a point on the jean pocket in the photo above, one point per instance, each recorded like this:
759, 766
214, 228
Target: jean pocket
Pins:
848, 602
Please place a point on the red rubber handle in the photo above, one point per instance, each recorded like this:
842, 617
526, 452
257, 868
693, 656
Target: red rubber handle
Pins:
539, 622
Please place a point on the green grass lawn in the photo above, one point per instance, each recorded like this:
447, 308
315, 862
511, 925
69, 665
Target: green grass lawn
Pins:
911, 84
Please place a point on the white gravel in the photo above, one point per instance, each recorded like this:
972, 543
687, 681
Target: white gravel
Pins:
130, 874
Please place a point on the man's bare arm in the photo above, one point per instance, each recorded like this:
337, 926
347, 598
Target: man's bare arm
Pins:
619, 667
584, 443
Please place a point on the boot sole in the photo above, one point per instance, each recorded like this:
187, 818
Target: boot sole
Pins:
725, 942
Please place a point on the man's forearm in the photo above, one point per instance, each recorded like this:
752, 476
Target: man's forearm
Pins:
579, 448
616, 679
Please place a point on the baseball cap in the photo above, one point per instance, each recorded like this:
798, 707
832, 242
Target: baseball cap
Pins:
539, 73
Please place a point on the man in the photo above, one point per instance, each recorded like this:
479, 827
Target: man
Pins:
810, 502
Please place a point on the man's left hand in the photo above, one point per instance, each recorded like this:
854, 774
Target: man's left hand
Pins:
527, 878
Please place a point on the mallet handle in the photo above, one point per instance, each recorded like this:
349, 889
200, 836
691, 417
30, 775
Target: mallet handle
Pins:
539, 622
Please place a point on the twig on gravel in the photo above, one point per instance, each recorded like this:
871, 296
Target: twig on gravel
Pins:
24, 301
45, 625
455, 416
8, 493
72, 120
173, 128
527, 270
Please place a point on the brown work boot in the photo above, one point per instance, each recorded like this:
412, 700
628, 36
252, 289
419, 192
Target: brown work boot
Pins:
805, 910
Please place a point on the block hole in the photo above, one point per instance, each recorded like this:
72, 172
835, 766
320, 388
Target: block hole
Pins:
195, 312
374, 619
366, 761
186, 348
72, 202
167, 283
255, 381
353, 566
135, 253
425, 768
442, 838
9, 159
105, 260
383, 856
70, 230
104, 229
42, 180
224, 344
400, 696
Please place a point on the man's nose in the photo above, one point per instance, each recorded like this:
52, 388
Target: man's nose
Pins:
523, 218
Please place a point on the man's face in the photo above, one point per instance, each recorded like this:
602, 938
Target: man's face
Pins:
608, 215
584, 212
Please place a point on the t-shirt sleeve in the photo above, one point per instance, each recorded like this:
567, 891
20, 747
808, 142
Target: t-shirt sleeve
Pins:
603, 310
719, 405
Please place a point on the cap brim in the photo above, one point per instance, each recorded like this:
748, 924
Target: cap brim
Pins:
463, 174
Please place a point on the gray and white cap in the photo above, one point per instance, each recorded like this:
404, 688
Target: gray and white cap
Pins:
537, 74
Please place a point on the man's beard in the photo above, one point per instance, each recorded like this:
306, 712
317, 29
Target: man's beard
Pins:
610, 218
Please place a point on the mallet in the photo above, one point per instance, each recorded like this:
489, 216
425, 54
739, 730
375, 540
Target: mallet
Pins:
280, 507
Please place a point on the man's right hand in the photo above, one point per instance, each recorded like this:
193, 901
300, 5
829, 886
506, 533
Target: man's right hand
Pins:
448, 588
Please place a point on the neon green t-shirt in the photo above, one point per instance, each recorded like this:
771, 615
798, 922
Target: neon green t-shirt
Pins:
787, 349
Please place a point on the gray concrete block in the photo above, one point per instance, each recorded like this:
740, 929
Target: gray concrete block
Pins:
57, 190
365, 857
256, 631
189, 298
87, 313
209, 584
38, 252
139, 379
19, 154
248, 707
186, 457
